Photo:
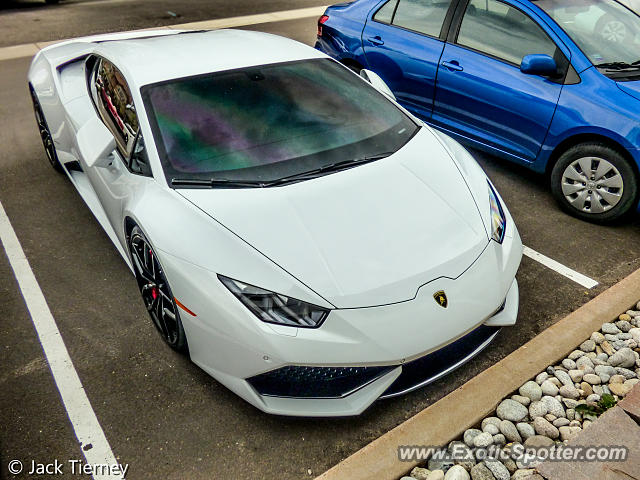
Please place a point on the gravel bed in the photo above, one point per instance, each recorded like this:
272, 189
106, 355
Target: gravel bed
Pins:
543, 410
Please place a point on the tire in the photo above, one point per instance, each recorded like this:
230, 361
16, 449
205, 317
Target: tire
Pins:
155, 291
613, 30
45, 134
594, 182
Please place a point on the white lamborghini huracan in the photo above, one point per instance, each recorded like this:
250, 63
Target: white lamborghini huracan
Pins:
308, 242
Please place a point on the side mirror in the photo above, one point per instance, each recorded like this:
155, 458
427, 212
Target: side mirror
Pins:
539, 65
95, 143
374, 79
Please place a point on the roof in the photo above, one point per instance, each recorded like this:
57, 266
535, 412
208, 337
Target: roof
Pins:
156, 58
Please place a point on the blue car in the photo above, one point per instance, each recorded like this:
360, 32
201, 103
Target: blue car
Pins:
550, 84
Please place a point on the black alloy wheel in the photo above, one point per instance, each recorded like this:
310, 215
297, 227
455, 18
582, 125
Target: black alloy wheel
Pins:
155, 291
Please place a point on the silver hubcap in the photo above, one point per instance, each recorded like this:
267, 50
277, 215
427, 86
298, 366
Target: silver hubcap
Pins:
592, 185
614, 31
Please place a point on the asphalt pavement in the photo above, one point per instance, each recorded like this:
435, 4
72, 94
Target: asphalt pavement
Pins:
161, 413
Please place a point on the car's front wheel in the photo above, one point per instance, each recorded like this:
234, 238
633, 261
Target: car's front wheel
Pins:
594, 182
155, 291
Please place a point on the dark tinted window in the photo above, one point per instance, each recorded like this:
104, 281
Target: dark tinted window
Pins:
385, 14
502, 31
264, 123
424, 16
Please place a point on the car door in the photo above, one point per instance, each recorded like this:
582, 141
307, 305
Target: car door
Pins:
481, 93
402, 42
117, 183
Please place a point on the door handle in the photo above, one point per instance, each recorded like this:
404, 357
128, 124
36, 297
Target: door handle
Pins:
453, 65
377, 40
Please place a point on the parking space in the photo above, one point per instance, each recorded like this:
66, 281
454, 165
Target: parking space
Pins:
162, 414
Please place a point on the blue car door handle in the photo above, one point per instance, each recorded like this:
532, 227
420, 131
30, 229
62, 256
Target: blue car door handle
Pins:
453, 65
377, 40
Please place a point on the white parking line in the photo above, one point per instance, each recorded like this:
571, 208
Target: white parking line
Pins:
30, 49
93, 442
561, 269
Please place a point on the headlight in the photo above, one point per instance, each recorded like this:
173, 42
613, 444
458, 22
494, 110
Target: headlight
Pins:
272, 307
498, 220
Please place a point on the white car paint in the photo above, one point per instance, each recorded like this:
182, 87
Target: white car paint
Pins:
372, 243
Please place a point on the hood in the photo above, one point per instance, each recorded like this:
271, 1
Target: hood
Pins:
369, 235
630, 88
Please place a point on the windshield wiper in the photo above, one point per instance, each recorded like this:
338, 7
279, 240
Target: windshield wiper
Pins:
316, 172
619, 65
331, 167
217, 182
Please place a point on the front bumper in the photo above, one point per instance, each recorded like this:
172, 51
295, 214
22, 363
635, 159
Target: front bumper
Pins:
229, 343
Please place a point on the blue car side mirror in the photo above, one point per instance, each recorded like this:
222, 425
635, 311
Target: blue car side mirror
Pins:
538, 64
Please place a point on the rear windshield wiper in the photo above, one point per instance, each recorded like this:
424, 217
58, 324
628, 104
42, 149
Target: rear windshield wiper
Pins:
331, 167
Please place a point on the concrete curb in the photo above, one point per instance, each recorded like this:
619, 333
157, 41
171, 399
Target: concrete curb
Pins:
466, 406
30, 49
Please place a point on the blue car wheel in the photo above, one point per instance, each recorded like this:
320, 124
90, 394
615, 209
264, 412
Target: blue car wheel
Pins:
594, 182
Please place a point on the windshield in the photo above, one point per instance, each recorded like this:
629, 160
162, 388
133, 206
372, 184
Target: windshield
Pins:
269, 122
605, 30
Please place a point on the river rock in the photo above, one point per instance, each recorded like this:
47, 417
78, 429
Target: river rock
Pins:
457, 472
509, 430
525, 430
498, 470
569, 392
469, 435
592, 379
623, 358
543, 427
531, 390
511, 410
554, 407
537, 409
549, 388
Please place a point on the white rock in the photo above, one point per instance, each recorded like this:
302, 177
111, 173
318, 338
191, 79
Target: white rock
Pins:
495, 420
564, 377
554, 407
526, 474
457, 472
483, 440
420, 473
511, 410
510, 432
526, 430
498, 470
531, 390
520, 399
594, 397
597, 337
568, 364
584, 362
436, 475
499, 439
626, 373
491, 429
592, 379
609, 328
575, 355
569, 392
537, 409
469, 435
561, 422
623, 358
635, 334
588, 346
549, 388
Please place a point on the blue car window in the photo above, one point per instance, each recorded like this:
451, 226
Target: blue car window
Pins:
385, 13
423, 16
502, 31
